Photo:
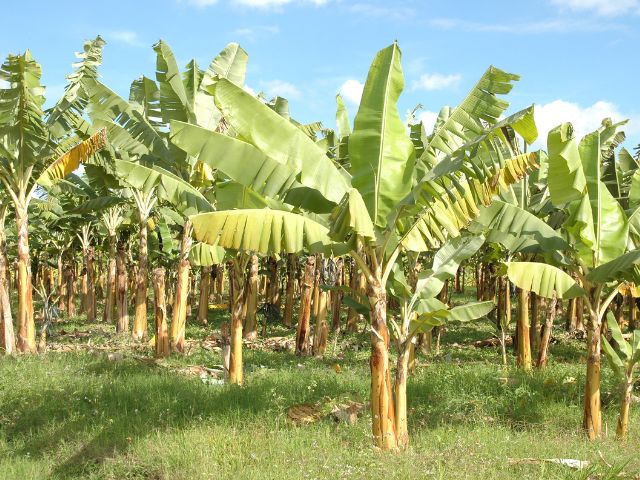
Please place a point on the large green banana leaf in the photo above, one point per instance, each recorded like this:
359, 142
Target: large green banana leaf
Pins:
513, 220
168, 187
231, 63
381, 153
342, 118
205, 255
67, 114
596, 218
471, 311
481, 106
351, 217
442, 212
245, 164
264, 231
127, 127
279, 139
174, 100
543, 279
566, 176
615, 268
22, 129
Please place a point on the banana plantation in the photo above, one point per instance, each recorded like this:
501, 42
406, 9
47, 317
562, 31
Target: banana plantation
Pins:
194, 284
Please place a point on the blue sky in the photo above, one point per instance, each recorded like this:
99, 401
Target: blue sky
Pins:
577, 58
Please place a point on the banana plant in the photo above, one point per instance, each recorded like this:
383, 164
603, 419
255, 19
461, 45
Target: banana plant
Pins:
623, 361
383, 204
597, 228
138, 130
32, 153
421, 311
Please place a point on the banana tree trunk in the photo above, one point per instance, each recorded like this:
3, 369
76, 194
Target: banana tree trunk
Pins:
336, 296
534, 322
179, 314
382, 401
140, 320
250, 325
62, 292
90, 298
160, 311
122, 315
107, 314
70, 281
7, 337
402, 372
26, 327
203, 302
321, 329
236, 374
302, 333
622, 427
543, 351
523, 329
220, 283
273, 284
292, 267
592, 420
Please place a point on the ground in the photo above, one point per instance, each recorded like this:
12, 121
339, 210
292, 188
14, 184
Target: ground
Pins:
77, 412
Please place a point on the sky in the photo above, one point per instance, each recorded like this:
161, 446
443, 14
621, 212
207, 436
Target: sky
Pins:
577, 58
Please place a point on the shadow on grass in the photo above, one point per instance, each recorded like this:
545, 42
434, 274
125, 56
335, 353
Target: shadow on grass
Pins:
115, 403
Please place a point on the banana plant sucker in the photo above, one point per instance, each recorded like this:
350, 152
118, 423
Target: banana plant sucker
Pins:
7, 338
421, 311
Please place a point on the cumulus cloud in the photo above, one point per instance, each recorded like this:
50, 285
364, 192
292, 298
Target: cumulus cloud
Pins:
281, 89
259, 31
428, 119
605, 8
276, 3
127, 37
351, 90
436, 81
203, 3
584, 119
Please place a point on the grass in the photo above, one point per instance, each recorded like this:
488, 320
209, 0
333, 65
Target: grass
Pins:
76, 414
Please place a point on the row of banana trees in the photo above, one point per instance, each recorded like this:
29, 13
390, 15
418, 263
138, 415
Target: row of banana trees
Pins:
192, 169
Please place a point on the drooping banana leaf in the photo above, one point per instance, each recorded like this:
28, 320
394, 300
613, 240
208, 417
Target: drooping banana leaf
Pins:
71, 160
168, 187
543, 279
513, 220
264, 231
466, 121
280, 140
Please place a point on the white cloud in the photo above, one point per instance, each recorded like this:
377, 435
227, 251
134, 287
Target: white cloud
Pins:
436, 81
249, 90
605, 8
127, 37
394, 11
584, 119
428, 119
351, 90
203, 3
260, 31
281, 89
275, 3
551, 25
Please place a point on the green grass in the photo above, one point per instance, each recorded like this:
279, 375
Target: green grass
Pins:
77, 415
